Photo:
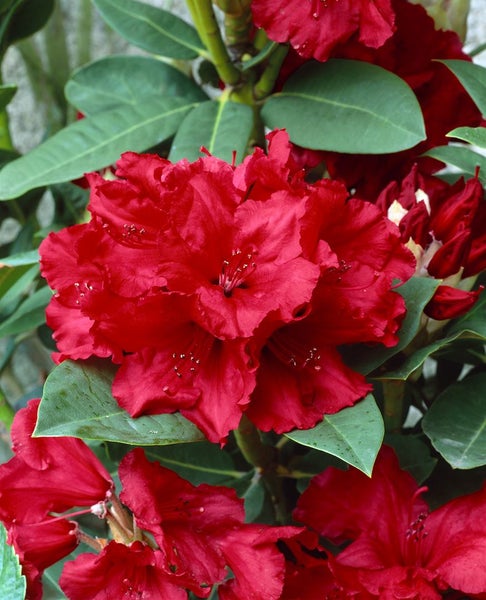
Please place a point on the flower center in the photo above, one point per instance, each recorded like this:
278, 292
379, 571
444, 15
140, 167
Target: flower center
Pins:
235, 270
293, 352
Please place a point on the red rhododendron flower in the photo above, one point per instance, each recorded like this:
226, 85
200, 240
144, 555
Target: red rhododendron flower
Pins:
201, 530
187, 270
120, 571
314, 28
396, 547
47, 476
444, 102
443, 225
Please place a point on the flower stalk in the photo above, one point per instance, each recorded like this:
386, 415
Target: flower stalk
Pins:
205, 22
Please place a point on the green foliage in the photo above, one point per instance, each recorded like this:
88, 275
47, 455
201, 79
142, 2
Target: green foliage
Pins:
21, 18
354, 434
152, 29
77, 402
94, 143
347, 106
456, 423
221, 127
7, 92
12, 582
118, 80
472, 77
461, 157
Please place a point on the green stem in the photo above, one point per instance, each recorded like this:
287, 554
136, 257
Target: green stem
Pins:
264, 459
84, 33
393, 404
237, 21
265, 84
7, 413
5, 137
205, 22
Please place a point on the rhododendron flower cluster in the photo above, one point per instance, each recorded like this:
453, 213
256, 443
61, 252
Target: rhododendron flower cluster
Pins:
395, 546
174, 536
226, 289
444, 225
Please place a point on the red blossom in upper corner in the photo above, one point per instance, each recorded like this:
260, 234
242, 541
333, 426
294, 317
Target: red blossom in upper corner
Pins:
413, 53
444, 225
315, 28
188, 274
47, 476
396, 547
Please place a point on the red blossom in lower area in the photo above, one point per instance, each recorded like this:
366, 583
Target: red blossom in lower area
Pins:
315, 28
46, 477
190, 275
444, 226
395, 546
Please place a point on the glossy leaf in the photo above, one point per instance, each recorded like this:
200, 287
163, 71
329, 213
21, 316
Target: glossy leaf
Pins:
347, 106
413, 454
354, 434
22, 19
30, 257
461, 157
473, 135
417, 292
14, 284
29, 315
12, 582
150, 28
7, 92
472, 77
77, 401
221, 127
93, 143
198, 462
117, 80
456, 423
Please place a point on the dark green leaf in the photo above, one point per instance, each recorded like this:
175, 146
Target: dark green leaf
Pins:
474, 320
6, 94
93, 143
23, 19
472, 77
473, 135
198, 462
413, 454
462, 157
347, 106
417, 292
77, 401
354, 434
456, 423
29, 315
117, 80
12, 582
221, 127
14, 284
152, 29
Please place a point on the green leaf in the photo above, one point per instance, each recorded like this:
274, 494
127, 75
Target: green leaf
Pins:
417, 292
221, 127
152, 29
117, 80
461, 157
93, 143
77, 402
473, 135
14, 284
456, 423
23, 19
413, 454
6, 94
354, 434
29, 315
198, 462
12, 582
30, 257
472, 77
347, 106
